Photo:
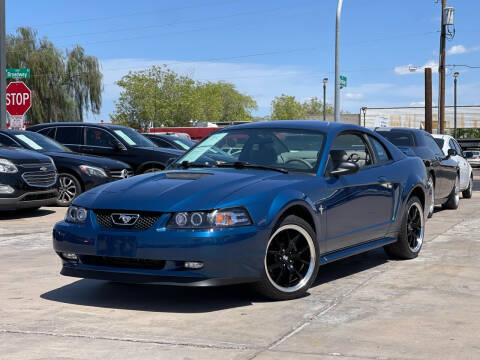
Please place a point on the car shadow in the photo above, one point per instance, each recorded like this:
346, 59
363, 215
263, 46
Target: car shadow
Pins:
174, 299
24, 213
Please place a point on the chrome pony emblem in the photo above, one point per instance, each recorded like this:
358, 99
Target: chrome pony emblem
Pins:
124, 219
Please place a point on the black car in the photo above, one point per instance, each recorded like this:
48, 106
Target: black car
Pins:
27, 179
444, 175
170, 141
76, 172
113, 141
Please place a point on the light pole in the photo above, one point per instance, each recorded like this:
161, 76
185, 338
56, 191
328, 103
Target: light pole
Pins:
455, 76
364, 111
325, 80
3, 65
337, 61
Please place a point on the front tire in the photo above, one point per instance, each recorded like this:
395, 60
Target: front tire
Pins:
291, 260
467, 193
69, 188
410, 238
454, 197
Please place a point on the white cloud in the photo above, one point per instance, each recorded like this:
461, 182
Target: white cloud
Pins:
417, 103
411, 69
353, 96
460, 49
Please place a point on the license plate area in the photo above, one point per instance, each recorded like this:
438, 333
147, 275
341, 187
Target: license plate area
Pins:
118, 245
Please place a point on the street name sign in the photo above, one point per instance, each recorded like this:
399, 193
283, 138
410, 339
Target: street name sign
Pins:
343, 81
20, 73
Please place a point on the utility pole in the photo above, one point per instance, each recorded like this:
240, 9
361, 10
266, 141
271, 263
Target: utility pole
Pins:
428, 100
455, 76
441, 73
337, 61
3, 66
325, 80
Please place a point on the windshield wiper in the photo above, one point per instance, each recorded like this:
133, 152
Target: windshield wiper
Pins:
242, 164
186, 164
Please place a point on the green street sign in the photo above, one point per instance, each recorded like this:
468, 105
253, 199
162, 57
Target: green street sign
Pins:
343, 81
22, 73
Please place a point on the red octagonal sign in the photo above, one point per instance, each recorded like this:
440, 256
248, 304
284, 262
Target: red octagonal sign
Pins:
18, 98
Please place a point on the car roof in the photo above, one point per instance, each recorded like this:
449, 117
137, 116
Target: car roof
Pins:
441, 136
405, 129
100, 125
299, 124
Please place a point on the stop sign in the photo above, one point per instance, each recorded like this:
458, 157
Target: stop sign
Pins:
18, 98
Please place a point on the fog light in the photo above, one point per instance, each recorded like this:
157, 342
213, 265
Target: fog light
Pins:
70, 256
6, 189
193, 264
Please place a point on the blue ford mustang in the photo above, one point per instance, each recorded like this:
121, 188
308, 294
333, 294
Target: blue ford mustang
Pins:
266, 203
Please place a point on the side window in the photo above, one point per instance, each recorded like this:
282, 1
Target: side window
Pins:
162, 143
6, 141
381, 153
349, 147
458, 148
98, 137
71, 135
50, 132
433, 145
451, 144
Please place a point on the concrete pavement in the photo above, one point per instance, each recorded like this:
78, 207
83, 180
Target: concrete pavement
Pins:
365, 307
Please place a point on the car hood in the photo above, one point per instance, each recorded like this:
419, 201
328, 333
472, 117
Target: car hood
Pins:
81, 159
169, 191
22, 156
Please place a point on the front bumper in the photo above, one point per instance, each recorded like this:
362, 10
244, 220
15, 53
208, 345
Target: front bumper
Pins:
30, 199
229, 255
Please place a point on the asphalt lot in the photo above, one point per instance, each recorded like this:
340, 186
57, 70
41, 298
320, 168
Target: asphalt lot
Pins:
365, 307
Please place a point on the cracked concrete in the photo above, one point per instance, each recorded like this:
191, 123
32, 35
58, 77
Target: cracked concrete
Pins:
365, 307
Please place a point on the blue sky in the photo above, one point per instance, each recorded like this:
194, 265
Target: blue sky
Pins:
268, 47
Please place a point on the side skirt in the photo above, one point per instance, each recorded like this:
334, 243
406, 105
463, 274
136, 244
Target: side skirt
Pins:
354, 250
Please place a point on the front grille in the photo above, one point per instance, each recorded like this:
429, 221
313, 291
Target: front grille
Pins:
121, 174
119, 262
144, 222
37, 166
40, 178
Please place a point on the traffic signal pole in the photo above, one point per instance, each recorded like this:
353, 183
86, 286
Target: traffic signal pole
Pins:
3, 66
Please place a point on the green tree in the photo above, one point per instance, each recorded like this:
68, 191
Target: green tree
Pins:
161, 97
64, 86
286, 107
314, 107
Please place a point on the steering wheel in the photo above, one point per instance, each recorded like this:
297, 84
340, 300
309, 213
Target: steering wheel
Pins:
304, 162
354, 157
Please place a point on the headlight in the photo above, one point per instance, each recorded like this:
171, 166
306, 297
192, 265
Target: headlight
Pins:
76, 215
6, 166
93, 171
209, 219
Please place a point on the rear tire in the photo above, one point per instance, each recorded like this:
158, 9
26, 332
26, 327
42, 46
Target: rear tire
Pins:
431, 189
410, 237
291, 260
467, 193
454, 197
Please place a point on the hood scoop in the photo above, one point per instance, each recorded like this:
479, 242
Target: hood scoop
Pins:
185, 175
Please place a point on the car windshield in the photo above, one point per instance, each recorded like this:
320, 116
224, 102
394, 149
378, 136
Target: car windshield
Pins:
265, 147
132, 138
398, 138
38, 142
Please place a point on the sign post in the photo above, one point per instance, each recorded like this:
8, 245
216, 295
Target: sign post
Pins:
19, 100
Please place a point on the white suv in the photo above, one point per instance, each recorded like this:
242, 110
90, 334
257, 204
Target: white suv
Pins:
447, 142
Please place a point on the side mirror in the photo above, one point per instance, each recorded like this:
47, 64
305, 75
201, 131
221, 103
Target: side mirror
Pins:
345, 168
451, 152
118, 146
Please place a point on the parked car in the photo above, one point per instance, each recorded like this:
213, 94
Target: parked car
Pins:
447, 143
271, 216
27, 179
113, 141
443, 171
473, 157
76, 172
170, 141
